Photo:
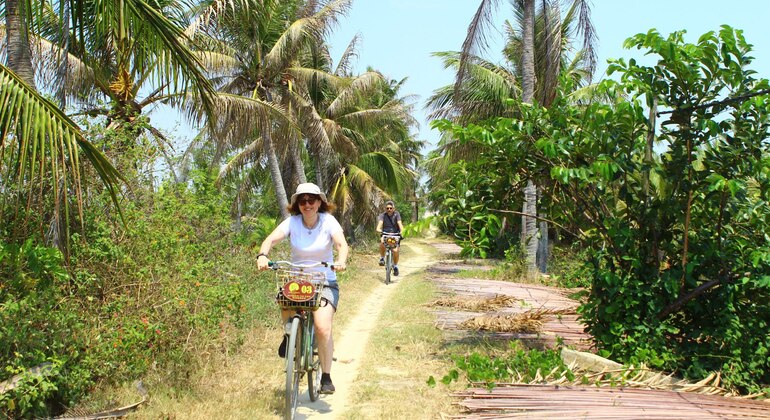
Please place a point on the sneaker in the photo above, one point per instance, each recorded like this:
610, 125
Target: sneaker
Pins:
395, 270
327, 387
382, 261
282, 348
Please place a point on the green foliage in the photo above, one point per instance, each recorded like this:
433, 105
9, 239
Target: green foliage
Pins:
568, 268
419, 227
39, 327
519, 366
678, 255
178, 283
465, 202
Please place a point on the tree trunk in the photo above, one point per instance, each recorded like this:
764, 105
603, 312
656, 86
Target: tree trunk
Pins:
296, 161
275, 174
528, 53
529, 224
17, 41
542, 247
529, 240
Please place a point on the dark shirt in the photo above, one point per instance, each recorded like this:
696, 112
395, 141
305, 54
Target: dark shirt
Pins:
390, 223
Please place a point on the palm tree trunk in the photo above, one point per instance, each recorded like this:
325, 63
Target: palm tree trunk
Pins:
529, 224
275, 174
529, 240
528, 53
296, 161
17, 39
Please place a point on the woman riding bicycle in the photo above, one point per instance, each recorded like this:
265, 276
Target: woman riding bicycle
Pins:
313, 233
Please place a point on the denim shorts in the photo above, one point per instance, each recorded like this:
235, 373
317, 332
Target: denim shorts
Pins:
331, 294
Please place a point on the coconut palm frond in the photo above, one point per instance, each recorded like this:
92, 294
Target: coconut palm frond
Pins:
339, 194
186, 160
251, 153
594, 93
588, 33
342, 140
385, 170
217, 62
366, 117
350, 95
440, 103
46, 140
307, 76
79, 79
319, 133
239, 114
210, 12
475, 41
346, 60
552, 44
163, 46
301, 30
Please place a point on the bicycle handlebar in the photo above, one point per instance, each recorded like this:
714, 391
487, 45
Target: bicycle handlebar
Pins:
275, 265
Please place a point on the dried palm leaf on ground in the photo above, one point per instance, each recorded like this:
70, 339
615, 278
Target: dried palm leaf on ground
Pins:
626, 377
527, 322
476, 304
544, 401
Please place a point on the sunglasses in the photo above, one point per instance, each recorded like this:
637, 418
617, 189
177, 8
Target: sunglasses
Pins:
308, 200
388, 208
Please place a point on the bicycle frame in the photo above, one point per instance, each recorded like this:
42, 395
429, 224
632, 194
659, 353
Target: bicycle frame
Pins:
294, 294
390, 241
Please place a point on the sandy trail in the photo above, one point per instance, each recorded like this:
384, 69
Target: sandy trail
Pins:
350, 347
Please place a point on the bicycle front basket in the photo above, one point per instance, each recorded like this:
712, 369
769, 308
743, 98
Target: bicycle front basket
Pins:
299, 289
391, 241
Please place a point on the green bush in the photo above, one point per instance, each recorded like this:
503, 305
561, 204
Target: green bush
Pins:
40, 326
177, 281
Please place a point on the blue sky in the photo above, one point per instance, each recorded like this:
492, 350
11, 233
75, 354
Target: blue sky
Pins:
398, 36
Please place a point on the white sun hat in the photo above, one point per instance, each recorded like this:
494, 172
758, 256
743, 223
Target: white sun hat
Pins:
308, 188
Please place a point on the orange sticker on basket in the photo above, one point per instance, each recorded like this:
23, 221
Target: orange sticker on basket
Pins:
298, 291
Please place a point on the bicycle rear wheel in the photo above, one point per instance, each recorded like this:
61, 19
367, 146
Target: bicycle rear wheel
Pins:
388, 265
314, 365
293, 368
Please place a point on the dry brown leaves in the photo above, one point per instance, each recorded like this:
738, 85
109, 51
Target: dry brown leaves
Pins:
476, 304
527, 322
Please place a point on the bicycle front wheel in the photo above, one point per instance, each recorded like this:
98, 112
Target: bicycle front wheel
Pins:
293, 368
314, 365
388, 265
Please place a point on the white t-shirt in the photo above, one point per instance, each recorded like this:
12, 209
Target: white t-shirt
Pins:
312, 245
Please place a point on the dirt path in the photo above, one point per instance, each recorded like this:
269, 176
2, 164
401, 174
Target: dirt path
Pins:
350, 347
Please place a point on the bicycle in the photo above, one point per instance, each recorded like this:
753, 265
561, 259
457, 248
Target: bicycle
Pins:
300, 291
391, 241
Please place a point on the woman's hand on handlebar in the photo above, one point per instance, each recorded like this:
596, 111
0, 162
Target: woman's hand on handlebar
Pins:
263, 263
339, 267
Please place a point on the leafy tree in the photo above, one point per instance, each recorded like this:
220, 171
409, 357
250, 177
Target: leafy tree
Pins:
679, 255
538, 52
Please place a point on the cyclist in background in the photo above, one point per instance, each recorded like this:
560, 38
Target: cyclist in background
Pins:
389, 222
313, 234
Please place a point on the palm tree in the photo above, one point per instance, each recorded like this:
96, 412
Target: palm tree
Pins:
360, 122
536, 49
250, 52
43, 149
44, 142
133, 57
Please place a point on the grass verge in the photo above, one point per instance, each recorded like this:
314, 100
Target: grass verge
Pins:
404, 350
